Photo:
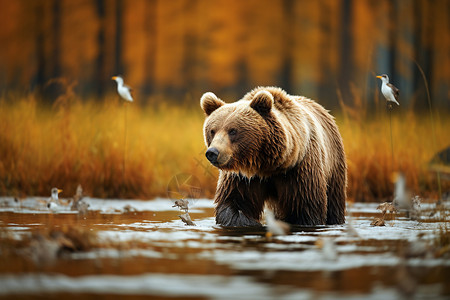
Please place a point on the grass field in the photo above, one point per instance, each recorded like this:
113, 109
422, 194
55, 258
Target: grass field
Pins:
114, 150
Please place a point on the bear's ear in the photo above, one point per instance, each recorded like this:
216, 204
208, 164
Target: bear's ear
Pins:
209, 103
262, 102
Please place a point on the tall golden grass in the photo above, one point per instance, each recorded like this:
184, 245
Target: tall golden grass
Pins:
82, 142
371, 165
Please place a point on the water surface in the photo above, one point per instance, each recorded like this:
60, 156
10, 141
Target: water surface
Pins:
132, 249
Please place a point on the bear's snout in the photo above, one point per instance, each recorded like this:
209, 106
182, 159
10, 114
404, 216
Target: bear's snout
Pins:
212, 154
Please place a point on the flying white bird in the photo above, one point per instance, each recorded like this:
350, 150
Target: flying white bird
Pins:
123, 89
53, 202
390, 92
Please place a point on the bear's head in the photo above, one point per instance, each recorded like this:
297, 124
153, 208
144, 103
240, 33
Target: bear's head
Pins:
244, 136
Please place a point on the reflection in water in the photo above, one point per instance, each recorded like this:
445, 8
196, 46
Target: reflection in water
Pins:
125, 247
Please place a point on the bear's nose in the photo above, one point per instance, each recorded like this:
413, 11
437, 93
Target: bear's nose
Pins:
212, 154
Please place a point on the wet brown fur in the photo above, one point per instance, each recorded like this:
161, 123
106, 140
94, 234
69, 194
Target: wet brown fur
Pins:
271, 159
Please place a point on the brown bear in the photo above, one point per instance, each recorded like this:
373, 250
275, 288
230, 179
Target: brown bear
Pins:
275, 149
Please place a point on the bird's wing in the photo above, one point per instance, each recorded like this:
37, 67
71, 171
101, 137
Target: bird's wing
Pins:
395, 90
130, 90
128, 87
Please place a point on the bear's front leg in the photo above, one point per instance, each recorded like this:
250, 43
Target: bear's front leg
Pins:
301, 193
232, 217
239, 201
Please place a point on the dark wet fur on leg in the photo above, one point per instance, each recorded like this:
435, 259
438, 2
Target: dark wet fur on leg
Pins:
230, 217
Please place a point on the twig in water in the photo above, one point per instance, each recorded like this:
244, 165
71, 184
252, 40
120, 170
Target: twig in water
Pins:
390, 129
125, 140
186, 218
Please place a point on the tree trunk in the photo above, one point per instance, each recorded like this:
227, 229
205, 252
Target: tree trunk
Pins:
286, 68
346, 69
40, 47
56, 43
325, 80
118, 66
392, 42
150, 57
100, 76
422, 53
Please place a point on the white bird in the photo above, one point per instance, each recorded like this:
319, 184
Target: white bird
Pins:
329, 250
53, 202
123, 89
403, 199
390, 92
402, 196
274, 226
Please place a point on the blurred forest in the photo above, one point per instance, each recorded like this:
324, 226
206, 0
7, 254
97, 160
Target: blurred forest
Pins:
64, 52
327, 50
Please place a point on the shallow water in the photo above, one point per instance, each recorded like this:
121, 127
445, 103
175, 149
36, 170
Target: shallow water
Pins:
142, 248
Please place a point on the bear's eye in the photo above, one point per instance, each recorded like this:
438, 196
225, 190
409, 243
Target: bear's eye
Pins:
232, 132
